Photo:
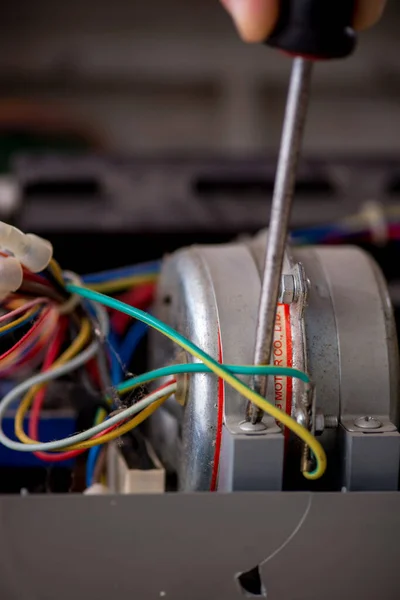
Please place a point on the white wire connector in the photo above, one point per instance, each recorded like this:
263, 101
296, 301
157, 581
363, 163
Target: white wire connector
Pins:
38, 253
11, 275
96, 489
32, 251
373, 215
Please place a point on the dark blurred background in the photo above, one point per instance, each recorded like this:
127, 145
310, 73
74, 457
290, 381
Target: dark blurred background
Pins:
181, 121
172, 75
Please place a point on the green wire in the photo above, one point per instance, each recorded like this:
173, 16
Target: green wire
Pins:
155, 323
174, 335
199, 368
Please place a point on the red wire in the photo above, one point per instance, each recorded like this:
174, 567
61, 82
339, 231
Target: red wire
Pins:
139, 297
35, 415
29, 276
37, 405
27, 335
33, 352
93, 372
393, 231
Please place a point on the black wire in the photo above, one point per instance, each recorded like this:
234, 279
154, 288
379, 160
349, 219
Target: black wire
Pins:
61, 289
35, 289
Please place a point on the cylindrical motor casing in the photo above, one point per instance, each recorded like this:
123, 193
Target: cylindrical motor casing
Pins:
338, 327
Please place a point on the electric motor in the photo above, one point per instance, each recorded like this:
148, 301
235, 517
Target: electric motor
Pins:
334, 321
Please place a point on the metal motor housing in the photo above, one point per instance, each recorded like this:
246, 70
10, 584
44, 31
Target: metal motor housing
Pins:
334, 321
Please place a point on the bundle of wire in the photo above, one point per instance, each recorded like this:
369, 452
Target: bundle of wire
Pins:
58, 342
35, 332
375, 223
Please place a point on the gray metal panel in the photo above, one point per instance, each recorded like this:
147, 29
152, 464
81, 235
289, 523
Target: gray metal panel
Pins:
191, 546
251, 462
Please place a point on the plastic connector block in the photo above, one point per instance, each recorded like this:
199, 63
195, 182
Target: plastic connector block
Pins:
11, 275
11, 238
37, 253
32, 251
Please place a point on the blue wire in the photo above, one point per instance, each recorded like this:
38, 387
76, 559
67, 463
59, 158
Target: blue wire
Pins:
314, 235
140, 269
117, 373
131, 341
117, 376
125, 350
16, 327
91, 464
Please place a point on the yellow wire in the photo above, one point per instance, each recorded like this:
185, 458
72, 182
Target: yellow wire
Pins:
280, 416
57, 271
79, 342
117, 285
24, 317
116, 433
43, 334
267, 407
75, 347
248, 393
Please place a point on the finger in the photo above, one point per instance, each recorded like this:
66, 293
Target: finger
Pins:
368, 12
254, 19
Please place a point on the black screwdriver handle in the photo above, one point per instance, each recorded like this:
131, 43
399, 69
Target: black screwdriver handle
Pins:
315, 29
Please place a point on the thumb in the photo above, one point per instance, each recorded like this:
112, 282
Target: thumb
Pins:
254, 19
368, 12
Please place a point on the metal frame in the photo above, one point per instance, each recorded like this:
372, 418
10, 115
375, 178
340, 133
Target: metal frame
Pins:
184, 546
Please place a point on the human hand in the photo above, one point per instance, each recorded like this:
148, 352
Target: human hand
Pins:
255, 19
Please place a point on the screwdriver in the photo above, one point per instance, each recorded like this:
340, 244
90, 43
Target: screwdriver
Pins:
307, 30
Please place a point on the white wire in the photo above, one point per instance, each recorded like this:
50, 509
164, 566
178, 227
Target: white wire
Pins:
49, 375
75, 363
78, 437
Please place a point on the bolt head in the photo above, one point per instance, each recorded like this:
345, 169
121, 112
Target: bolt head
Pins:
319, 422
287, 293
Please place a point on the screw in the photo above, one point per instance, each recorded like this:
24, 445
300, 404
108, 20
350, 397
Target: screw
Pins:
248, 427
287, 293
323, 422
331, 421
367, 422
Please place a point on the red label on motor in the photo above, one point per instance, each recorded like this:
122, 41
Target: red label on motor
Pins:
282, 357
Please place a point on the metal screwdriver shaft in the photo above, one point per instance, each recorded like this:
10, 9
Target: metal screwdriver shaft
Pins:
292, 133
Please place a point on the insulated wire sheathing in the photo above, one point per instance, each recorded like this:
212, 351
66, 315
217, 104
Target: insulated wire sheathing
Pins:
215, 367
163, 372
75, 442
118, 285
